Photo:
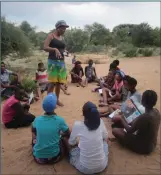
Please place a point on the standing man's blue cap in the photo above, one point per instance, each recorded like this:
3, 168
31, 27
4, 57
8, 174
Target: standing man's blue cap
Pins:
49, 102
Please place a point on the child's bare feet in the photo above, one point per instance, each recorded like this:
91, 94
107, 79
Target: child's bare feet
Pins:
37, 98
59, 103
66, 93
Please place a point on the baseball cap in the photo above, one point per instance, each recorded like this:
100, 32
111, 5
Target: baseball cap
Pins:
61, 23
49, 102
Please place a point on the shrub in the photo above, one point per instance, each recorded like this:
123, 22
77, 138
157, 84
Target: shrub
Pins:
131, 52
115, 52
147, 52
140, 51
28, 84
94, 49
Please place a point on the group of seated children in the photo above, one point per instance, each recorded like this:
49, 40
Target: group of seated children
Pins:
86, 143
139, 134
77, 74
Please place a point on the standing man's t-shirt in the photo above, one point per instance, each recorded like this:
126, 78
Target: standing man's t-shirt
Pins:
48, 130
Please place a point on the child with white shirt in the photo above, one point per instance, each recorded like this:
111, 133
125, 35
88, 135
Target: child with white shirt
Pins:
91, 154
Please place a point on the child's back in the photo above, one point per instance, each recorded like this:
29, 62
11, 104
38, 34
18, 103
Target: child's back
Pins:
48, 135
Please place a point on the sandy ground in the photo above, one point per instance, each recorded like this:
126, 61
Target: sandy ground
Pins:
16, 144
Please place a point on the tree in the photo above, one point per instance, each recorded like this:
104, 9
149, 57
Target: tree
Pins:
26, 27
76, 40
98, 33
13, 39
142, 35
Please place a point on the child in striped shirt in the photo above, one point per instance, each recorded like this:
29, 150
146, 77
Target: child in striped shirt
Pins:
42, 77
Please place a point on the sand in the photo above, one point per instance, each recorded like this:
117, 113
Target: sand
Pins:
16, 143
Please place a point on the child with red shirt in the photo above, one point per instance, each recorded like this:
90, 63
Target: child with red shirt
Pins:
14, 114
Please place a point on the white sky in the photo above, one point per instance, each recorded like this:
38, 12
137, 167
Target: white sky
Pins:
44, 15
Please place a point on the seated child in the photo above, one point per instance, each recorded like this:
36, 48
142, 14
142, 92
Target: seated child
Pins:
116, 62
14, 114
130, 84
107, 81
116, 93
90, 73
7, 89
90, 155
49, 134
77, 73
141, 134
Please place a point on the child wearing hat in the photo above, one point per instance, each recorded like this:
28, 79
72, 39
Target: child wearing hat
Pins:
49, 133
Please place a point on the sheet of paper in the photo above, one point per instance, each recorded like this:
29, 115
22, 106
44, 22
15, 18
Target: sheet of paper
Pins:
100, 91
31, 97
114, 113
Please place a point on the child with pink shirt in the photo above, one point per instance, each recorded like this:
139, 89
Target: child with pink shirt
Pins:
14, 114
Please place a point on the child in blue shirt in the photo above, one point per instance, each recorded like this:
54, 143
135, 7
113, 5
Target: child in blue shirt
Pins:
49, 133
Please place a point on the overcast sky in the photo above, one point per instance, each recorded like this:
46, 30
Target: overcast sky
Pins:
44, 15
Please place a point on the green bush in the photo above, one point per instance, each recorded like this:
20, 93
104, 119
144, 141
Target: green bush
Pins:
115, 52
140, 51
131, 52
124, 46
94, 49
28, 84
147, 52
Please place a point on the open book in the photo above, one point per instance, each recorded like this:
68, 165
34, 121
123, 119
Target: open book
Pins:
132, 110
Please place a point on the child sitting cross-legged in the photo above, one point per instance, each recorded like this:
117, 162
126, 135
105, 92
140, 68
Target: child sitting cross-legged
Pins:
49, 134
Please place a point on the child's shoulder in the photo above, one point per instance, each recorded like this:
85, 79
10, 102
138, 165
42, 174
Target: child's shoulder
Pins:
40, 117
59, 118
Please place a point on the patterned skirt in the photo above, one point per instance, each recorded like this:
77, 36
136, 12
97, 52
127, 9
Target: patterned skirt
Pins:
57, 72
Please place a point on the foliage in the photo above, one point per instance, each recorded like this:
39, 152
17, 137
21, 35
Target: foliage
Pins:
28, 84
13, 39
94, 38
147, 52
131, 52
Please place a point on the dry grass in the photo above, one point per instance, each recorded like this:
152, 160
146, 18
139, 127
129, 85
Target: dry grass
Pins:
29, 64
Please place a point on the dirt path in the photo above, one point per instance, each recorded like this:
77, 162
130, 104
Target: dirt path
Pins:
16, 144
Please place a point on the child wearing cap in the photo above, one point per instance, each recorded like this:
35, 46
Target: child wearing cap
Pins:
49, 133
90, 155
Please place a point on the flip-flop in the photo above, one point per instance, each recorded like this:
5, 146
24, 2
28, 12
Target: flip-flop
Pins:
60, 104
